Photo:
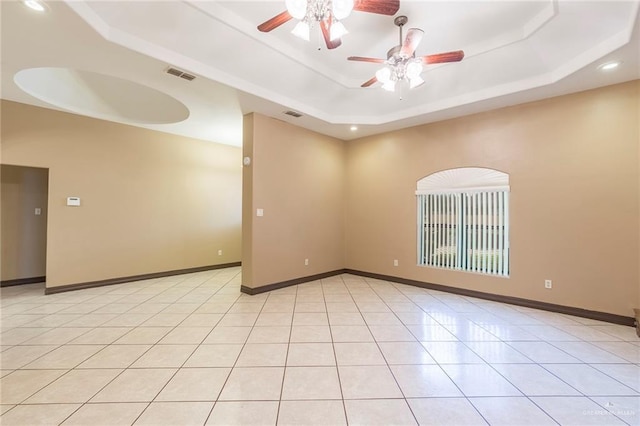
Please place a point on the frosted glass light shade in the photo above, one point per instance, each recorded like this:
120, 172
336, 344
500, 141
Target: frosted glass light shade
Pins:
337, 30
383, 75
415, 82
301, 30
297, 8
341, 8
389, 85
414, 69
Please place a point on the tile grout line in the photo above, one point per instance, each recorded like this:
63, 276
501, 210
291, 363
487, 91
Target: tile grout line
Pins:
501, 375
183, 363
105, 346
541, 366
335, 356
208, 334
459, 308
118, 375
395, 379
443, 371
239, 353
286, 359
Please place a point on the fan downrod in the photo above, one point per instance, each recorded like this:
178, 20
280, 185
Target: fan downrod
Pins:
399, 21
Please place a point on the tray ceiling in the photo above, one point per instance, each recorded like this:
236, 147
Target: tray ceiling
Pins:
515, 51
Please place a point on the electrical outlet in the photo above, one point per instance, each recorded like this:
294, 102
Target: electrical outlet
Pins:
395, 262
219, 252
548, 284
38, 211
306, 262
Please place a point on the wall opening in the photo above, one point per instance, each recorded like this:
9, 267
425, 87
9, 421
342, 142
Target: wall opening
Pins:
23, 224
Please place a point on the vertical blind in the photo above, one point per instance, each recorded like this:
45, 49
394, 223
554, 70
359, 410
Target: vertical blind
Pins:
466, 231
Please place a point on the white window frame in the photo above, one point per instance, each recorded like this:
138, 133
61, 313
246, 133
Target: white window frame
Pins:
463, 220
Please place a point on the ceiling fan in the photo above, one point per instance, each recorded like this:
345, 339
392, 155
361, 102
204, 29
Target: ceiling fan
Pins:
328, 14
402, 64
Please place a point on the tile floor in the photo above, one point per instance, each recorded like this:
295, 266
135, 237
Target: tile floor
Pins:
191, 349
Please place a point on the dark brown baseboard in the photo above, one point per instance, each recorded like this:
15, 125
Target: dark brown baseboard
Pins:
21, 281
584, 313
112, 281
288, 283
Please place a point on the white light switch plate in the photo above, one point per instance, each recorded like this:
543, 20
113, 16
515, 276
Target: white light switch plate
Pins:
259, 212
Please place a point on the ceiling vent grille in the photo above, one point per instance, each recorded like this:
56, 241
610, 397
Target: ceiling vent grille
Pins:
293, 114
178, 73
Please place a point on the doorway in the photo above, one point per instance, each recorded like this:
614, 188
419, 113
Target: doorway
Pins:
23, 224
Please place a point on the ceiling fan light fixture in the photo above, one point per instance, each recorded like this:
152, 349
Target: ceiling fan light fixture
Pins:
414, 69
297, 8
324, 13
415, 82
389, 86
301, 30
341, 8
383, 75
402, 66
337, 30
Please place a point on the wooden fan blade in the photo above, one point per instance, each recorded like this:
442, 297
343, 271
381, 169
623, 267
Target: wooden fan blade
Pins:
411, 41
381, 7
363, 59
274, 22
331, 44
439, 58
369, 82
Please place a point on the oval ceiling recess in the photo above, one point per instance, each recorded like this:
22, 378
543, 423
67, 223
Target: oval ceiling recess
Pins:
101, 96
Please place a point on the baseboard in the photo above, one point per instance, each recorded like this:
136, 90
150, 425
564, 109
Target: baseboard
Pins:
288, 283
120, 280
569, 310
21, 281
584, 313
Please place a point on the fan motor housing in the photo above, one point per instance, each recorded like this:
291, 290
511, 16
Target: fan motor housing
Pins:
393, 52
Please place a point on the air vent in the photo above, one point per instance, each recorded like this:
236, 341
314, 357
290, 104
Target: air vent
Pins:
179, 73
293, 114
174, 71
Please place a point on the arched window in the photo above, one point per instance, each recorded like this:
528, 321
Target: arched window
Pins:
463, 220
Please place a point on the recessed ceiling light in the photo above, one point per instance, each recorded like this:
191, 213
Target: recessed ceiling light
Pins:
35, 5
354, 128
609, 66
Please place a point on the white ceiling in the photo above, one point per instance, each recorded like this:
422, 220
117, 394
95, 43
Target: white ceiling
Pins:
515, 51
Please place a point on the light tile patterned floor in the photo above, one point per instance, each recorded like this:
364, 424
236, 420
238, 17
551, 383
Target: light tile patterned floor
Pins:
191, 349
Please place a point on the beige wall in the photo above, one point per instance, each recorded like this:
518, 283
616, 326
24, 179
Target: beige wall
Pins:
172, 202
573, 165
23, 233
151, 201
297, 178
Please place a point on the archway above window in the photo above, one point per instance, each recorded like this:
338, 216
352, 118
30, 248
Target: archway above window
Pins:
464, 179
